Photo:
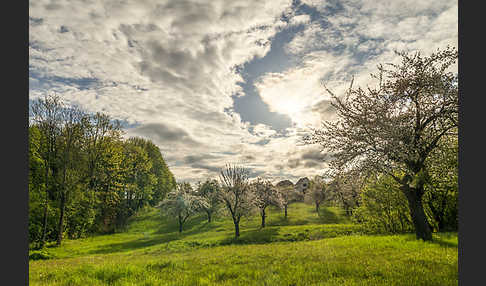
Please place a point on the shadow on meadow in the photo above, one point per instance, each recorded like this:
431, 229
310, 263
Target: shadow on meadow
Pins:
326, 216
167, 232
252, 236
444, 239
194, 225
444, 243
152, 228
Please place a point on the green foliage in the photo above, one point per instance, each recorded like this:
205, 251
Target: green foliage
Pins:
441, 190
316, 193
84, 178
209, 190
383, 208
40, 255
165, 181
182, 203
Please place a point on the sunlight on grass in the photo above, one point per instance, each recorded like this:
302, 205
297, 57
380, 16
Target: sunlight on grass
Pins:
303, 249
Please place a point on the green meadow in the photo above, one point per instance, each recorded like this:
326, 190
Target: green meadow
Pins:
303, 249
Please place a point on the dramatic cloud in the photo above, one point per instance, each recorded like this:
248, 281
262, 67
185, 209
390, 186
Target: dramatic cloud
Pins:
173, 70
164, 134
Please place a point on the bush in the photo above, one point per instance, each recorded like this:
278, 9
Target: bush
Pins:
383, 208
40, 255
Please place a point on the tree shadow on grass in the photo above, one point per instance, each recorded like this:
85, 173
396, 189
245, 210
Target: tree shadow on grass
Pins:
328, 216
444, 243
166, 234
437, 238
325, 216
134, 244
196, 224
440, 239
254, 236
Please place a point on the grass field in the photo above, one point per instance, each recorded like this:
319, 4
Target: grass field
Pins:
304, 249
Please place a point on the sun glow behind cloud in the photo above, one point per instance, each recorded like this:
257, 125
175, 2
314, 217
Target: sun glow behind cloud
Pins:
170, 68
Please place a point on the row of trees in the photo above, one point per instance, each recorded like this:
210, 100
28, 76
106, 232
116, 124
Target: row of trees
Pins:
83, 176
237, 196
375, 201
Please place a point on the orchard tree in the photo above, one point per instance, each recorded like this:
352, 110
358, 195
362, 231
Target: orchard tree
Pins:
209, 190
345, 189
265, 194
288, 194
396, 125
182, 203
316, 192
236, 193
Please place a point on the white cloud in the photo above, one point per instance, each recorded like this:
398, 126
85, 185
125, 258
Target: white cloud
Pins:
169, 67
155, 62
300, 19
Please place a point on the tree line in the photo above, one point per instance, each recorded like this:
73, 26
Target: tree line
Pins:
84, 177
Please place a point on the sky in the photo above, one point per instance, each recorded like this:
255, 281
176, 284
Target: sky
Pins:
213, 82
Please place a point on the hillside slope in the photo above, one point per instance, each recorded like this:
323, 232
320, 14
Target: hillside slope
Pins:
152, 252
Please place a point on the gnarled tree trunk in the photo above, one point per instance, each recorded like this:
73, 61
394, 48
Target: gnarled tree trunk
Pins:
419, 219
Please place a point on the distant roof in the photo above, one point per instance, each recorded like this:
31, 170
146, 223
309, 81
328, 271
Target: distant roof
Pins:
302, 180
285, 183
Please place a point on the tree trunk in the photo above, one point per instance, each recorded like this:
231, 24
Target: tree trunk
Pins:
44, 221
285, 211
263, 218
62, 206
422, 228
237, 228
180, 224
441, 217
209, 216
61, 218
